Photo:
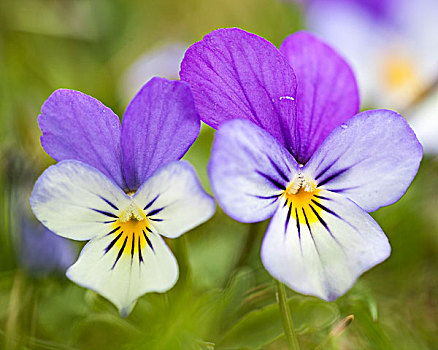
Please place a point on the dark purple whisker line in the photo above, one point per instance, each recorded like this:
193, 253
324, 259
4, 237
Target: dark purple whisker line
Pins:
286, 224
340, 190
271, 202
306, 220
321, 197
311, 234
331, 177
109, 203
340, 171
111, 215
297, 220
132, 246
273, 181
264, 197
155, 219
140, 257
151, 202
326, 209
111, 232
148, 240
279, 171
108, 248
327, 168
298, 223
155, 211
107, 222
334, 214
323, 223
120, 252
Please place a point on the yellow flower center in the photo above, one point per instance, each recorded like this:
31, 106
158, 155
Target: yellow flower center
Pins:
301, 197
400, 76
130, 233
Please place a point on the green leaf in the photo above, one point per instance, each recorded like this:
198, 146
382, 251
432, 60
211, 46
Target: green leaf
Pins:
263, 326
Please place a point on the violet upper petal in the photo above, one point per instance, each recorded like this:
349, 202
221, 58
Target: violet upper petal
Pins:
237, 75
77, 126
371, 159
249, 171
327, 92
159, 126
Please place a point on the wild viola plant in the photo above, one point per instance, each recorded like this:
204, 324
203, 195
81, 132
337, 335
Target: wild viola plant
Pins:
121, 186
291, 145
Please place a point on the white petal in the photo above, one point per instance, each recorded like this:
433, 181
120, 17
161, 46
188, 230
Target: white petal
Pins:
249, 170
76, 201
124, 279
174, 200
321, 261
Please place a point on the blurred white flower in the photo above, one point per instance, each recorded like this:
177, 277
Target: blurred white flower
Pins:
163, 61
392, 46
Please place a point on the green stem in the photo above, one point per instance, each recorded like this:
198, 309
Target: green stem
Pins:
286, 318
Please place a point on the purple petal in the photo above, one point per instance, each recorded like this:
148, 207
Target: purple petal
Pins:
249, 170
323, 251
159, 126
41, 251
77, 126
327, 93
237, 75
376, 9
371, 159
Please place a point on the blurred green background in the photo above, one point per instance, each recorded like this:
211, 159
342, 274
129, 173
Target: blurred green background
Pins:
224, 299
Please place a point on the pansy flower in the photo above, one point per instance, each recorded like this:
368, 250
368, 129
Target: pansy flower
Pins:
121, 186
291, 145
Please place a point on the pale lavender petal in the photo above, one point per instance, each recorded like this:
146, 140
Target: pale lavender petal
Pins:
159, 126
323, 252
371, 159
237, 75
327, 93
77, 126
249, 171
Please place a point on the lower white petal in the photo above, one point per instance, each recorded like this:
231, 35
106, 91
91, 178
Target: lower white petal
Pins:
116, 268
323, 252
173, 199
77, 201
